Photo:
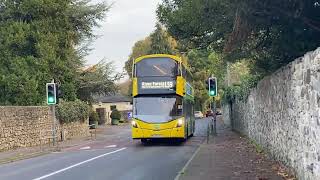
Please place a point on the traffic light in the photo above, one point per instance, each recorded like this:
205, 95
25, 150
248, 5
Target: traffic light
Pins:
51, 94
59, 93
213, 87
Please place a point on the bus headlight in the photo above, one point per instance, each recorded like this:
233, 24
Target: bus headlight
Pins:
180, 123
134, 124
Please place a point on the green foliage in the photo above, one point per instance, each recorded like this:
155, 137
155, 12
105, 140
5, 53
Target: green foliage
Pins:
38, 43
93, 116
158, 42
97, 80
199, 23
268, 33
203, 65
259, 149
239, 71
241, 91
72, 111
115, 114
257, 36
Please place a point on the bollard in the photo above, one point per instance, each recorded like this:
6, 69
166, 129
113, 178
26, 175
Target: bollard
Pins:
215, 127
208, 132
211, 128
95, 133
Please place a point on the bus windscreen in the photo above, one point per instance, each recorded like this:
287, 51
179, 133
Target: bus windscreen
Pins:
156, 67
157, 109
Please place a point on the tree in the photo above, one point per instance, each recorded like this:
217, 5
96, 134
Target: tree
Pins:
125, 88
39, 41
268, 33
140, 48
197, 23
203, 65
98, 80
158, 42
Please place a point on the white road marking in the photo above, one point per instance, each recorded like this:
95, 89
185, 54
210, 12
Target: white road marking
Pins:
85, 148
186, 165
111, 146
78, 164
77, 146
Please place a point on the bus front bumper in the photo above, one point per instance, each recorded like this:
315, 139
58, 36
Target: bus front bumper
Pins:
138, 133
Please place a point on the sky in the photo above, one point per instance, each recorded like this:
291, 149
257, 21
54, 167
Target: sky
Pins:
127, 22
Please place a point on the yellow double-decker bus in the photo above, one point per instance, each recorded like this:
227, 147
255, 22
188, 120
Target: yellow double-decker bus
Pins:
163, 101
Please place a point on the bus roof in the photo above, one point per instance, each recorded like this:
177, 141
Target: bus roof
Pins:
176, 58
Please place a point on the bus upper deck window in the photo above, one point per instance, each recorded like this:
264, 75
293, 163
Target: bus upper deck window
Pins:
155, 67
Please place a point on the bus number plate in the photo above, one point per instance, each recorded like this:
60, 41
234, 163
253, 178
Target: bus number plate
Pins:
157, 126
156, 135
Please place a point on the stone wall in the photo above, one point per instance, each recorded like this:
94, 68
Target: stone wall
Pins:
282, 114
21, 126
26, 126
75, 129
226, 114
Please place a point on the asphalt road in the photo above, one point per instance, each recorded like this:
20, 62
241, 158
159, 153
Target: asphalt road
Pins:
115, 156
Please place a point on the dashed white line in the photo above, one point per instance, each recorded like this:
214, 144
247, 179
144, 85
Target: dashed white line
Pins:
85, 148
78, 164
111, 146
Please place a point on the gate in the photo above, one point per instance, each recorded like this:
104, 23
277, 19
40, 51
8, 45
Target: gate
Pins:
102, 115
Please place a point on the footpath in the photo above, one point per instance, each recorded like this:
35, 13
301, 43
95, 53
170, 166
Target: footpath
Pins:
229, 156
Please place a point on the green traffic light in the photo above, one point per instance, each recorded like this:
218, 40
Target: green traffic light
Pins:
212, 87
51, 94
50, 100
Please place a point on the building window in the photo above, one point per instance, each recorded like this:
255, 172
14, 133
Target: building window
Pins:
113, 107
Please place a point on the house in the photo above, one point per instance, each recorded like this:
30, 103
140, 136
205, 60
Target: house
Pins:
105, 105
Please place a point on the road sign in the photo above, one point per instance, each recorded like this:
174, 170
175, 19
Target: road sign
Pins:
129, 115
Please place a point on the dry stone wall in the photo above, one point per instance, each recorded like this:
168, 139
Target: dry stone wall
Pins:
75, 129
282, 114
26, 126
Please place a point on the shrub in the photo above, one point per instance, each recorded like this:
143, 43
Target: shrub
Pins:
72, 111
115, 114
93, 117
240, 91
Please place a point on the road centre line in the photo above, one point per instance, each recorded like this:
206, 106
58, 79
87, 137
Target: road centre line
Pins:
78, 164
85, 148
111, 146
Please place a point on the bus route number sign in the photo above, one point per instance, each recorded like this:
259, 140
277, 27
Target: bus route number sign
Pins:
157, 85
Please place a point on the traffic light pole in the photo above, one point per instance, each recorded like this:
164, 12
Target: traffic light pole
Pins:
214, 118
53, 110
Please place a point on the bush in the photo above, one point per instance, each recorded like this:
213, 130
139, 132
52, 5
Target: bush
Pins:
115, 114
93, 117
241, 91
72, 111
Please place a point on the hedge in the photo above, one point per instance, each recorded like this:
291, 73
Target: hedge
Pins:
72, 111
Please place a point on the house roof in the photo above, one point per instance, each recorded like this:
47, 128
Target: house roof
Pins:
113, 99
